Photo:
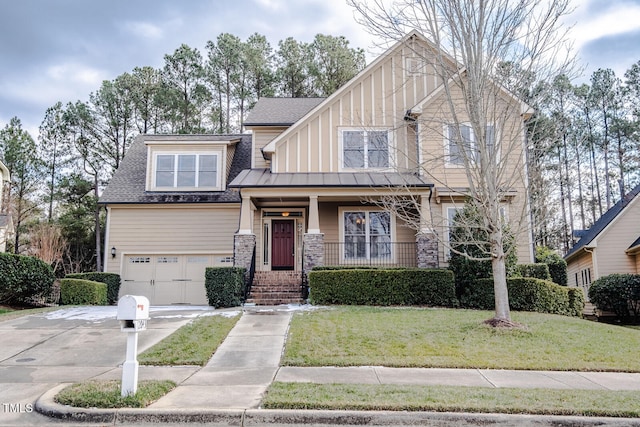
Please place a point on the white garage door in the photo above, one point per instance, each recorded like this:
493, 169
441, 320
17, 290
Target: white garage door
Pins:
169, 279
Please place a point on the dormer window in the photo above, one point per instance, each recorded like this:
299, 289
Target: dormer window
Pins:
187, 171
365, 149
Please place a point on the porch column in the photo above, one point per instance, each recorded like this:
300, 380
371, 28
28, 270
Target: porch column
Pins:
245, 216
243, 248
426, 239
314, 217
313, 251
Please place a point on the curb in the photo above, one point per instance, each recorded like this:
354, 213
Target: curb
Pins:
46, 405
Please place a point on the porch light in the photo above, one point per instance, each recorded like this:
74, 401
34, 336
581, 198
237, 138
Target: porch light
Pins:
285, 213
113, 252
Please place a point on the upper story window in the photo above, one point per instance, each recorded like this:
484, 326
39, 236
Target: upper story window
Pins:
187, 171
365, 149
462, 141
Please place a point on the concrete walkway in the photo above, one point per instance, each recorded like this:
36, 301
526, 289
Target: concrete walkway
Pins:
241, 369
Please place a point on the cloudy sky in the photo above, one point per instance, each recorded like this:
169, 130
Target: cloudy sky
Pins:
61, 50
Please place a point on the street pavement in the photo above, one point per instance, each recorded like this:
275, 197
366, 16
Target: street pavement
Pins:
41, 354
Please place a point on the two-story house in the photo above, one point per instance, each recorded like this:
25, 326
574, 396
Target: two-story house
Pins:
302, 189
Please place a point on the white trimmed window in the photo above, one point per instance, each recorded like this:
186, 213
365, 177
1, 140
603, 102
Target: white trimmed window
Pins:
367, 234
187, 171
461, 141
365, 149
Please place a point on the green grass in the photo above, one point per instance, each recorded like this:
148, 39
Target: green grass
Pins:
106, 394
454, 399
447, 338
192, 344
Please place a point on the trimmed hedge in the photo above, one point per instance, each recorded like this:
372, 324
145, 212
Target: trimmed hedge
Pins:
112, 280
434, 287
225, 286
619, 293
527, 294
538, 270
24, 279
557, 264
82, 292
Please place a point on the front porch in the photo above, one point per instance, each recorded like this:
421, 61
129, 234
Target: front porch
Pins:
294, 222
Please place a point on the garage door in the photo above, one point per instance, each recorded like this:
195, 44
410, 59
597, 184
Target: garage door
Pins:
169, 279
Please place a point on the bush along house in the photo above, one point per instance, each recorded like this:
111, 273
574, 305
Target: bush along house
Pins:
297, 192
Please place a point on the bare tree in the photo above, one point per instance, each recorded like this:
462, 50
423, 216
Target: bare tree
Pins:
48, 243
479, 116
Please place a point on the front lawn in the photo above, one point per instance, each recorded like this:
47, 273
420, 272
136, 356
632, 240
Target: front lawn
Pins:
447, 338
106, 394
452, 399
192, 344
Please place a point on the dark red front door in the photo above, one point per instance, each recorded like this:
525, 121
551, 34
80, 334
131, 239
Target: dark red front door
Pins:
282, 245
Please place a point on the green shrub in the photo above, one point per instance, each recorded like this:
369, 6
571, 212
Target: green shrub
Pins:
538, 270
112, 280
469, 242
24, 279
557, 265
619, 293
527, 294
414, 286
225, 286
82, 292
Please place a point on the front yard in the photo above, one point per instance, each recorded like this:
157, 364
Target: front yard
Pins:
449, 338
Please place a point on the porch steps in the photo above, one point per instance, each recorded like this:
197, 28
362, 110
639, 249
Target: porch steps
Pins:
275, 288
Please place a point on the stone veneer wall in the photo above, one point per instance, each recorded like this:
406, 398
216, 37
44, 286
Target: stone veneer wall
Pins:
313, 251
427, 250
243, 245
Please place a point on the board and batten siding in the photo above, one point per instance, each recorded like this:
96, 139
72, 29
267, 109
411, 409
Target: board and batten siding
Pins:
377, 99
169, 229
261, 137
616, 238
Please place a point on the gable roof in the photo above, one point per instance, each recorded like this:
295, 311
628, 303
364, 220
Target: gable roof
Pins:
280, 111
270, 147
604, 221
127, 186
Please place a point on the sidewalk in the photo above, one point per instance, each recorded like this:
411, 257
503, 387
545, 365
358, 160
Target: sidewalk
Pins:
228, 390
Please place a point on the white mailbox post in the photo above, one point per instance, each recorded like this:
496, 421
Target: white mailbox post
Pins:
133, 313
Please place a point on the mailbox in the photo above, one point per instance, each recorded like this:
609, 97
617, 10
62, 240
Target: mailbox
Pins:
133, 313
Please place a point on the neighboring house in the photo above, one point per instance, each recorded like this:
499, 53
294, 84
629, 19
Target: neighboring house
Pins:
6, 224
611, 245
298, 191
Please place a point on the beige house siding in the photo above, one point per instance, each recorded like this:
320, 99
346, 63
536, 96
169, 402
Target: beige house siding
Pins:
637, 257
616, 238
172, 229
261, 137
582, 261
378, 99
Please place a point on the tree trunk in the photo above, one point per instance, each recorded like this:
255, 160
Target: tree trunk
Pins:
500, 277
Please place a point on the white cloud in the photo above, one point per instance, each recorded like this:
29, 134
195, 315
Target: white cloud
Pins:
144, 29
274, 5
620, 18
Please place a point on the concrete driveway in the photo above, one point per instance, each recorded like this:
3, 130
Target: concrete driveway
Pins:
68, 345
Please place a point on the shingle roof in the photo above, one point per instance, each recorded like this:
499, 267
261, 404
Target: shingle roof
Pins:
280, 111
603, 221
634, 244
254, 178
128, 183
